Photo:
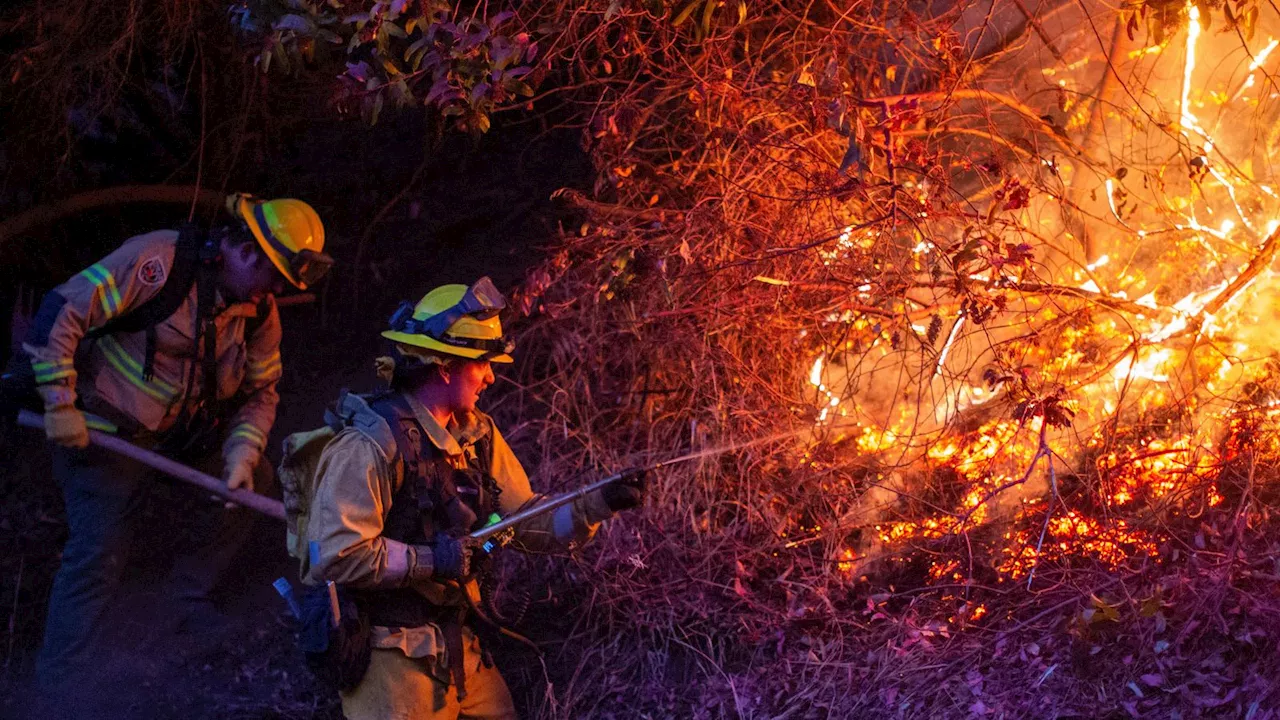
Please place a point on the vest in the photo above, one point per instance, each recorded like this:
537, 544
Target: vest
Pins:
435, 497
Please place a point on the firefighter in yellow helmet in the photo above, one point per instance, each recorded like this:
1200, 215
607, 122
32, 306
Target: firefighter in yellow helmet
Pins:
171, 341
413, 470
288, 232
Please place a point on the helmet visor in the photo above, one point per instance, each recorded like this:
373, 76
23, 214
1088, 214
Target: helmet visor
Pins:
481, 301
309, 266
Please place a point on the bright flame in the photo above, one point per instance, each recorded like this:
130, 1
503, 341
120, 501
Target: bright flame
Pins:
1150, 387
1261, 57
1145, 369
1193, 36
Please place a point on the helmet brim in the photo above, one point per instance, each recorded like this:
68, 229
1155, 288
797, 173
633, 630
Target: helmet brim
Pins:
245, 212
430, 343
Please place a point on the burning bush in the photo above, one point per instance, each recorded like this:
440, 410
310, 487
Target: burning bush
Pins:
989, 293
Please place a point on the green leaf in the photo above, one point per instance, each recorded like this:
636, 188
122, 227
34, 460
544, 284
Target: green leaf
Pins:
282, 56
404, 95
708, 11
1104, 611
686, 12
419, 44
296, 23
1250, 23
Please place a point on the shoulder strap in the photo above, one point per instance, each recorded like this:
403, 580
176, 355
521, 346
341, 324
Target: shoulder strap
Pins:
188, 259
410, 518
484, 447
208, 258
385, 407
355, 411
177, 286
395, 411
253, 324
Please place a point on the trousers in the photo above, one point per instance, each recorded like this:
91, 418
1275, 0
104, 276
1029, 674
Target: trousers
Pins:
398, 687
103, 493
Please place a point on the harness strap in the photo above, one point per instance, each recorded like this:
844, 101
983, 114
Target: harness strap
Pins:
149, 359
430, 489
206, 288
452, 630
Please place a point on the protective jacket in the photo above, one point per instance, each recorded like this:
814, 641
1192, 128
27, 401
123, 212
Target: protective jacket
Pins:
369, 508
109, 373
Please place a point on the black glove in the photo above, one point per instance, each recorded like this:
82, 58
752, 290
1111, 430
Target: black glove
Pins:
446, 558
450, 557
626, 492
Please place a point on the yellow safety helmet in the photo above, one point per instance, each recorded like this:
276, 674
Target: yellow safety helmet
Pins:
455, 320
290, 233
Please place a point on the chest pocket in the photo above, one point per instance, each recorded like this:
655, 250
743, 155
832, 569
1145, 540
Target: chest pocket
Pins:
474, 497
175, 336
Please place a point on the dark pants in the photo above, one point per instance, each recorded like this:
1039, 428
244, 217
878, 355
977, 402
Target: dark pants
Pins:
103, 493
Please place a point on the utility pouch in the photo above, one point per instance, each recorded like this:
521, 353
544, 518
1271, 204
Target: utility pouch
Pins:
193, 438
335, 636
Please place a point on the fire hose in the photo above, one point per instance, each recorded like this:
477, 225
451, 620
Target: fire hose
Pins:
172, 468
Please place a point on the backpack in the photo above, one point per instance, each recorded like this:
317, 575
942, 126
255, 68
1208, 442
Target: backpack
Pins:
297, 472
333, 632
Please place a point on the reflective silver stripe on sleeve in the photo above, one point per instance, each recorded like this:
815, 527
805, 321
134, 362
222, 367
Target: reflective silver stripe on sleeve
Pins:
397, 563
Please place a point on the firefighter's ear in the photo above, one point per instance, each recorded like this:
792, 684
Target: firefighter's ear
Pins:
252, 256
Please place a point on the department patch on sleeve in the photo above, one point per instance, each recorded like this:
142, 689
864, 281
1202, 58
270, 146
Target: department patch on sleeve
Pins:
151, 272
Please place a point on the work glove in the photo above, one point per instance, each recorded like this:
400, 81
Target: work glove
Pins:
238, 462
626, 492
446, 558
65, 426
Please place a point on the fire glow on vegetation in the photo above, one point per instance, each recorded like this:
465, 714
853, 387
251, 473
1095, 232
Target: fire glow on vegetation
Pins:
1142, 357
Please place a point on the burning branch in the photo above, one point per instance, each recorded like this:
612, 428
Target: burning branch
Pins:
1031, 116
1261, 261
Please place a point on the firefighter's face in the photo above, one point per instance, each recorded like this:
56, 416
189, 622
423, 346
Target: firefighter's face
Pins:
466, 380
247, 274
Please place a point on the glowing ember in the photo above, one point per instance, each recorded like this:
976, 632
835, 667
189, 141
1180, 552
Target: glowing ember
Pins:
846, 563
